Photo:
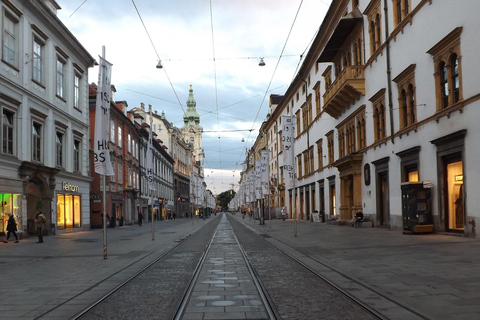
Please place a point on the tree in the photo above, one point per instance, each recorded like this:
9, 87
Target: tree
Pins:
225, 197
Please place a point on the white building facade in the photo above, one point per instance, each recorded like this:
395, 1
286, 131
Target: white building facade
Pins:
45, 119
386, 102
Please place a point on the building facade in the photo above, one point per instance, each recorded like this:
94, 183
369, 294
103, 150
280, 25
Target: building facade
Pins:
45, 119
386, 97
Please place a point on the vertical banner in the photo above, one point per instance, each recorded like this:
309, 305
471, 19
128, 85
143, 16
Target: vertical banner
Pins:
288, 157
258, 180
149, 164
264, 172
101, 152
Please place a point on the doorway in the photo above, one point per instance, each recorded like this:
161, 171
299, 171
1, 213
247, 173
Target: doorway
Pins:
453, 194
383, 202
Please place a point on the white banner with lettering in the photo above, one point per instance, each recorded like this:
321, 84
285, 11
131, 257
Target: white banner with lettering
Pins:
101, 152
288, 129
264, 172
258, 180
149, 164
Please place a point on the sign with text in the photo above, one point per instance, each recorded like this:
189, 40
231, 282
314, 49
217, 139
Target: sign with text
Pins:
288, 129
101, 152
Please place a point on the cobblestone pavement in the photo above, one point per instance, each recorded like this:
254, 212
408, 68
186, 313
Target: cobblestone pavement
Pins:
433, 276
296, 292
62, 276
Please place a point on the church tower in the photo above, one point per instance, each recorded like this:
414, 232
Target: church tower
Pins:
192, 130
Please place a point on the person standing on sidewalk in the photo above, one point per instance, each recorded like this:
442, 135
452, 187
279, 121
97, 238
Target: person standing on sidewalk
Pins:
12, 228
39, 223
283, 213
140, 218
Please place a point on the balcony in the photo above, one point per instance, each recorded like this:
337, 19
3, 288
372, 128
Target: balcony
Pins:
344, 91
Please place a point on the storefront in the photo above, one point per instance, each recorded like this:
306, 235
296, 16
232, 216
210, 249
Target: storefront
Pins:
71, 200
11, 203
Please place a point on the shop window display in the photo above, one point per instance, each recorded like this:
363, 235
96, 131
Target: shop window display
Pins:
68, 211
11, 204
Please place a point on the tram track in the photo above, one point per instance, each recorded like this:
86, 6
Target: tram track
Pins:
270, 308
86, 313
376, 314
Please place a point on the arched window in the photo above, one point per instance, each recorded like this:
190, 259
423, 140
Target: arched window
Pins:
399, 11
455, 79
404, 107
411, 104
442, 69
377, 31
372, 37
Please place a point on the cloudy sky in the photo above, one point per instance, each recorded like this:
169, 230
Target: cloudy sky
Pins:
214, 45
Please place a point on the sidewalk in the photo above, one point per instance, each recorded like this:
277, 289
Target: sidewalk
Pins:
52, 276
435, 276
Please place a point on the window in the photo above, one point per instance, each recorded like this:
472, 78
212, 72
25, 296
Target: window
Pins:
36, 141
10, 40
401, 8
129, 143
76, 91
379, 122
119, 142
299, 162
320, 153
378, 101
341, 142
361, 132
304, 117
455, 82
112, 131
7, 132
60, 77
448, 70
373, 13
76, 155
59, 149
406, 96
311, 159
306, 163
297, 116
37, 62
316, 88
330, 146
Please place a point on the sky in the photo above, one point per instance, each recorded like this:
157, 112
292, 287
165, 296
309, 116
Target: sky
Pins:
213, 45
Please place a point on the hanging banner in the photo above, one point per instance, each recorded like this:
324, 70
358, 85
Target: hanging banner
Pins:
101, 152
288, 157
258, 180
149, 164
264, 172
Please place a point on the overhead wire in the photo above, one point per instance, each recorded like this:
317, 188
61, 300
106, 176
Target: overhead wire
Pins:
274, 71
158, 56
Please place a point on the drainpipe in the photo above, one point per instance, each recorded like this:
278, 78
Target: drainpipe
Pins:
389, 75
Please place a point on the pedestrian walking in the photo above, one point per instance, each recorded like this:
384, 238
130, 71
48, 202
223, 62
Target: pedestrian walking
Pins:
283, 213
12, 228
39, 223
140, 218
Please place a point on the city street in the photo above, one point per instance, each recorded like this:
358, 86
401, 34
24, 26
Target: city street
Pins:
430, 276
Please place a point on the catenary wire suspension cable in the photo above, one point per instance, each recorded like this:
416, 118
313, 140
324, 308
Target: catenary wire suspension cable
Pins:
274, 71
158, 56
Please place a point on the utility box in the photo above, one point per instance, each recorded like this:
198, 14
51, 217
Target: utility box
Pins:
417, 207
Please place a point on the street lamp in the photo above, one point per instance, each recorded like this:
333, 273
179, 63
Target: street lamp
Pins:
159, 64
